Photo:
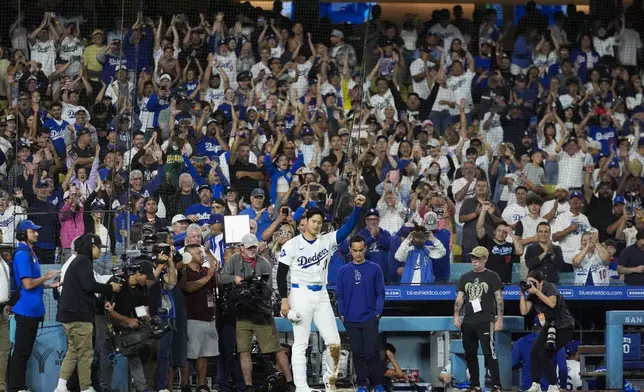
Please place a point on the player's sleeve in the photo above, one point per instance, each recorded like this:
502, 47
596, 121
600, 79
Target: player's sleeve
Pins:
346, 229
283, 267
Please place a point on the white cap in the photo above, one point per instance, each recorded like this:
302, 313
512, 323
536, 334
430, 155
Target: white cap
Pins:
337, 33
595, 144
166, 76
562, 187
179, 218
431, 221
249, 240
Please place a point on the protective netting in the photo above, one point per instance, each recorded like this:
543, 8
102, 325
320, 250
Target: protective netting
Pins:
118, 113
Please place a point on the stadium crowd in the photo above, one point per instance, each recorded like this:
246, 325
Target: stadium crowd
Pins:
458, 139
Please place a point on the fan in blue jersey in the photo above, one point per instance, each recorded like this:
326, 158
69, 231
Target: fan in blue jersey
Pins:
200, 212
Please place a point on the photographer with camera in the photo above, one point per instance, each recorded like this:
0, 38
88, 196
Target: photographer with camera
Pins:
558, 326
416, 255
76, 311
129, 308
254, 312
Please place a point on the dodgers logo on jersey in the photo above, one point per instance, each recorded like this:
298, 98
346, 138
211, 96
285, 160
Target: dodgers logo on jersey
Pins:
283, 253
306, 262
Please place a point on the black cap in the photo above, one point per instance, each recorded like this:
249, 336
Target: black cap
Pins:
83, 131
520, 78
244, 76
202, 187
146, 267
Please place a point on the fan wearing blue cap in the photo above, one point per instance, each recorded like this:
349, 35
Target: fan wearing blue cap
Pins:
30, 307
569, 227
521, 359
377, 241
216, 240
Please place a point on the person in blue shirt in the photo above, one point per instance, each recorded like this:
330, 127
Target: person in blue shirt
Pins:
361, 299
376, 239
257, 207
521, 359
57, 126
30, 308
161, 100
200, 212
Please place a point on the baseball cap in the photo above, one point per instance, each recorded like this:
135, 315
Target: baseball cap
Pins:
42, 184
98, 206
180, 218
572, 347
480, 252
372, 212
83, 131
202, 187
576, 194
433, 143
10, 117
257, 192
343, 131
253, 108
510, 145
619, 200
638, 109
337, 33
121, 68
613, 164
216, 218
219, 201
97, 32
520, 78
563, 187
244, 76
307, 132
595, 144
249, 240
166, 76
146, 268
427, 122
431, 221
27, 225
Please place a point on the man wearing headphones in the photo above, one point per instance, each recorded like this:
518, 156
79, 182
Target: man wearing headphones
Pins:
30, 308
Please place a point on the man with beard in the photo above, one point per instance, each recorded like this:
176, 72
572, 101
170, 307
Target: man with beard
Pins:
557, 206
619, 217
599, 209
57, 126
200, 212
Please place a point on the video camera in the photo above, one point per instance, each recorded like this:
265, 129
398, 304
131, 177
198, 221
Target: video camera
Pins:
252, 295
128, 342
152, 244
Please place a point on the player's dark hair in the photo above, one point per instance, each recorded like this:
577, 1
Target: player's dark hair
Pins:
536, 275
311, 212
355, 239
500, 223
639, 235
534, 199
543, 224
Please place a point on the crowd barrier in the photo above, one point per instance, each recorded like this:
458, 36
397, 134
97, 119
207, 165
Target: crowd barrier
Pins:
411, 336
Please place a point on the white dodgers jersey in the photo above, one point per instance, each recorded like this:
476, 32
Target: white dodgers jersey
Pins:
309, 262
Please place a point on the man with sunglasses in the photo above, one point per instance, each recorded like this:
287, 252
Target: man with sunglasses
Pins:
483, 291
361, 299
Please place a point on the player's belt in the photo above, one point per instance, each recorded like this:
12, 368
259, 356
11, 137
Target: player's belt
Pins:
312, 287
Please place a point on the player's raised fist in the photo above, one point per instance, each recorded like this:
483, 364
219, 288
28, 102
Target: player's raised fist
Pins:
360, 200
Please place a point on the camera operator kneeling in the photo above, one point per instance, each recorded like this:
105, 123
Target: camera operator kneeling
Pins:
123, 315
252, 303
557, 322
76, 311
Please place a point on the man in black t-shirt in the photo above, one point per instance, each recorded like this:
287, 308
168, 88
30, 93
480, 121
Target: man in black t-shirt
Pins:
502, 253
484, 293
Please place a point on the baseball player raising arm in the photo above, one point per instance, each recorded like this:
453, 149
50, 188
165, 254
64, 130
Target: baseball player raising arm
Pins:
307, 256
